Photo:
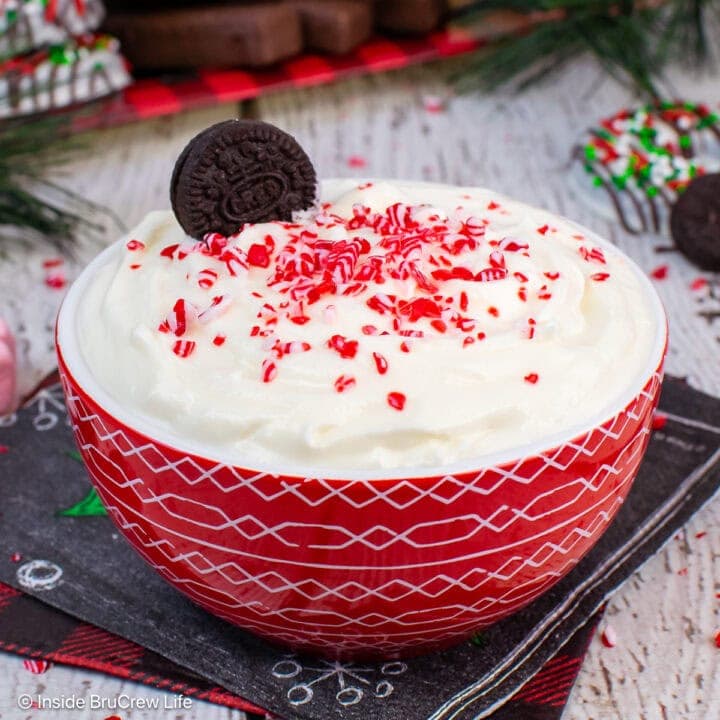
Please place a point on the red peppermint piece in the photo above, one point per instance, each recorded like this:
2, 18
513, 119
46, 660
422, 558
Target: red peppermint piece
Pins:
699, 283
342, 346
491, 274
700, 535
543, 230
184, 348
659, 420
381, 364
609, 637
396, 400
37, 667
258, 256
269, 371
135, 245
219, 340
356, 161
135, 266
531, 378
497, 260
600, 277
433, 104
594, 254
16, 557
660, 272
56, 280
52, 263
169, 251
207, 278
344, 382
492, 310
717, 639
419, 308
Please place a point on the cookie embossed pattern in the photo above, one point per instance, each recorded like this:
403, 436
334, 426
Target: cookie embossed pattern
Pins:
354, 561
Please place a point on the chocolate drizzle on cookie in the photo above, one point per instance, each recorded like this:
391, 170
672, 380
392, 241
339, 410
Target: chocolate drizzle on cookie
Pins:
237, 172
695, 222
643, 159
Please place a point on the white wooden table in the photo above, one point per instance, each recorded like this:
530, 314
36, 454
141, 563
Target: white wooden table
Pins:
665, 665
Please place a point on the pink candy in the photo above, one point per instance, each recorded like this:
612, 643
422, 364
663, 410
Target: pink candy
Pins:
8, 386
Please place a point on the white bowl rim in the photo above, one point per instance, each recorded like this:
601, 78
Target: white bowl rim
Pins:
68, 346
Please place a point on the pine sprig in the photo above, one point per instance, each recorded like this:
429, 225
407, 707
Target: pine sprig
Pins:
634, 40
32, 206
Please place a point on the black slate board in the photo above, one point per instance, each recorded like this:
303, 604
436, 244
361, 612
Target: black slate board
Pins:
105, 583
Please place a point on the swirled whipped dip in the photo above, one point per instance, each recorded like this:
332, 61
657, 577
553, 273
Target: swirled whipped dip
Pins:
396, 325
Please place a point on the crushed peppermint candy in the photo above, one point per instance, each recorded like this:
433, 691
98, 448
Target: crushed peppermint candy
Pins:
344, 382
609, 637
55, 277
416, 279
396, 400
37, 667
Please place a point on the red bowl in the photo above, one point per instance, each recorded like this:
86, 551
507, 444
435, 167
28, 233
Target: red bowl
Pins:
366, 565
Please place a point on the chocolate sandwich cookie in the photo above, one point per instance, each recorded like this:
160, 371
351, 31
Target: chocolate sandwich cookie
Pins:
252, 35
237, 172
411, 17
695, 222
334, 26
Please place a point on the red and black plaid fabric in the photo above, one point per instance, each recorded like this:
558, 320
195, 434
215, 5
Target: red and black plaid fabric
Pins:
153, 97
31, 629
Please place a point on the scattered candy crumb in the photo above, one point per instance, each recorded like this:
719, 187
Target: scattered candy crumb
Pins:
56, 279
699, 283
16, 557
37, 667
433, 103
531, 378
4, 449
344, 382
660, 272
659, 421
356, 161
609, 637
700, 535
396, 400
